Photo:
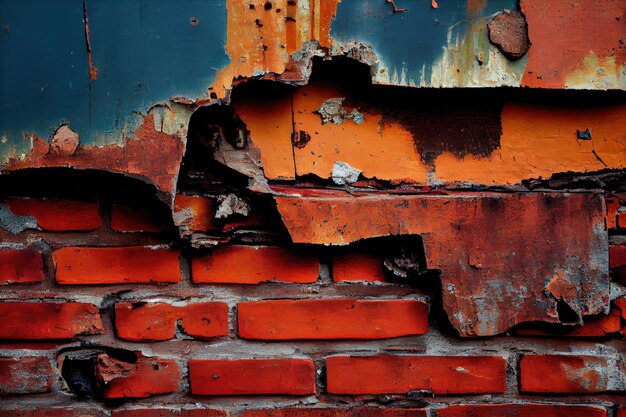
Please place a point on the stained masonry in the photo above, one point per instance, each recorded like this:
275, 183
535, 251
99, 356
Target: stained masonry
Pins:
249, 208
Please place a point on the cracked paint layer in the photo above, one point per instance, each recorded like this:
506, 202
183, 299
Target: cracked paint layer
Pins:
504, 259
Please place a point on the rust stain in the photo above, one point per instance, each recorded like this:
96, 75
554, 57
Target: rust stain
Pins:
93, 71
495, 251
151, 155
508, 31
564, 34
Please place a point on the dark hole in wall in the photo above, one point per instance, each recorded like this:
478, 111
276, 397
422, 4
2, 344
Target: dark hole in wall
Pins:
86, 185
79, 375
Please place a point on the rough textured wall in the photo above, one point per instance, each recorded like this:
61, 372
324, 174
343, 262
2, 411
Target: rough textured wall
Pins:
288, 227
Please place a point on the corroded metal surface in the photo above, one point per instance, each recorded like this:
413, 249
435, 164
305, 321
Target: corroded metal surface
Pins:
504, 259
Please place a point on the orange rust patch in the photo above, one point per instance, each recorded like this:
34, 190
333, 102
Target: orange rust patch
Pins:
539, 141
563, 33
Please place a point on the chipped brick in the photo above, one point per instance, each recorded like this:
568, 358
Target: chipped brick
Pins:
58, 215
25, 375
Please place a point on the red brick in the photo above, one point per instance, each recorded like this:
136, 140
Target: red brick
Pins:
331, 319
617, 256
133, 219
387, 374
145, 378
621, 411
194, 213
521, 410
336, 412
72, 411
252, 377
126, 265
46, 320
147, 412
358, 267
59, 215
253, 265
169, 412
21, 266
596, 327
25, 375
612, 204
621, 219
564, 374
157, 321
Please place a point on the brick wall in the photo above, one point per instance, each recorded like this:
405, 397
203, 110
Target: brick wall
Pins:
105, 313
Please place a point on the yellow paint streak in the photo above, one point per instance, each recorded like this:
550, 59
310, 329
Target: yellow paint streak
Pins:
591, 73
539, 142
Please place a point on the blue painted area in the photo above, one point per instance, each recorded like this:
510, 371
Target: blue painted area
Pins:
411, 40
145, 51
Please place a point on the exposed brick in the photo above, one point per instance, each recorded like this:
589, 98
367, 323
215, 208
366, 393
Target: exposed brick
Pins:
564, 374
145, 378
126, 218
521, 410
621, 219
331, 319
336, 412
253, 265
73, 411
387, 374
617, 256
139, 321
596, 327
252, 377
612, 204
519, 263
25, 375
126, 265
358, 267
621, 411
168, 412
194, 213
59, 215
21, 266
47, 320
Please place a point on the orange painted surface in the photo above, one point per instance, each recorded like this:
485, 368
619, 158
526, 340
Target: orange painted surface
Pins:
126, 265
566, 374
194, 213
270, 124
21, 266
260, 40
540, 141
252, 265
358, 267
384, 151
387, 374
46, 320
58, 215
564, 32
331, 319
252, 377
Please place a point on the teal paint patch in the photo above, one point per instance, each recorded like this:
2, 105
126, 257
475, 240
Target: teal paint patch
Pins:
412, 41
145, 51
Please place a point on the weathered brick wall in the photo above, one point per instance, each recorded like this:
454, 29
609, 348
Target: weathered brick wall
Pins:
102, 312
